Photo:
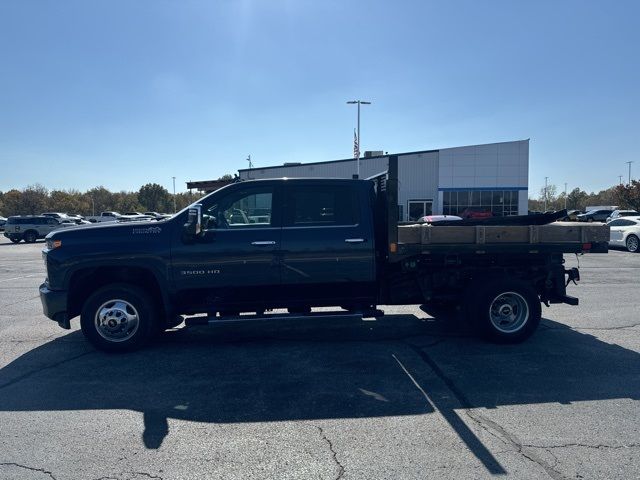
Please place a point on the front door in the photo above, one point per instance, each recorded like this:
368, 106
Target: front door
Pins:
327, 244
233, 264
419, 208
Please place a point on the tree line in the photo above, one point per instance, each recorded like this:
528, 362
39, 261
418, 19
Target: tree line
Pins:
36, 199
625, 196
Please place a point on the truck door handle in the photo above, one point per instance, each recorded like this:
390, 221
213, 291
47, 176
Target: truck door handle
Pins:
264, 242
354, 240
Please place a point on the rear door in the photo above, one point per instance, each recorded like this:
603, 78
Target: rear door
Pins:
327, 243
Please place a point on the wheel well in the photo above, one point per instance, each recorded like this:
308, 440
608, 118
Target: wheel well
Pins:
84, 282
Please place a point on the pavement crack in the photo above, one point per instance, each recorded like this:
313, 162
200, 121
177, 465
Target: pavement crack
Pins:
339, 465
599, 446
38, 370
491, 427
26, 467
621, 327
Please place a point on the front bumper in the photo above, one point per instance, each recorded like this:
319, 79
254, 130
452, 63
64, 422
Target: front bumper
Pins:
54, 305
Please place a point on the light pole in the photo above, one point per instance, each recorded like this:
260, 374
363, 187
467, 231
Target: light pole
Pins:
174, 194
620, 177
357, 152
629, 163
546, 179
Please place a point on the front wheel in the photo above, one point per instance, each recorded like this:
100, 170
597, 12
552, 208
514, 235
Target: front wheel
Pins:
15, 239
633, 244
505, 310
118, 318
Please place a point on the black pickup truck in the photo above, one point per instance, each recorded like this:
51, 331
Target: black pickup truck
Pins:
260, 245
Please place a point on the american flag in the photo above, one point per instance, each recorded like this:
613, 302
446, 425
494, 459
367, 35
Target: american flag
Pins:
356, 147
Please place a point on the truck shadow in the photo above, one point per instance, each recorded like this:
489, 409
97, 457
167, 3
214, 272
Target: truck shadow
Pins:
276, 372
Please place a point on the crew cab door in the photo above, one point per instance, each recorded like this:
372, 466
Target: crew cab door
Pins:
233, 264
327, 244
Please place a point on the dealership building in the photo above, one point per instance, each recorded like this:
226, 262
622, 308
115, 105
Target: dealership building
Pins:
447, 181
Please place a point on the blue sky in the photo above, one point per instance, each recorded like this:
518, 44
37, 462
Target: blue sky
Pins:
121, 93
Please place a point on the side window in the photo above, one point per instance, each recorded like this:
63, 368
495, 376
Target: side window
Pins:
619, 223
626, 223
317, 205
52, 221
245, 208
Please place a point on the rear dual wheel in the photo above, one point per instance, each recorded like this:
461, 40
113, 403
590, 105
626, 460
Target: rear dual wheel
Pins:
505, 310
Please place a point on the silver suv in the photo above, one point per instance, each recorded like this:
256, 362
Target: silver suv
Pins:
30, 228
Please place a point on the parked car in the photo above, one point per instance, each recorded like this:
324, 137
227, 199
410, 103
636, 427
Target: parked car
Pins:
594, 216
572, 216
3, 220
32, 227
625, 232
65, 217
476, 212
158, 216
104, 217
622, 213
438, 218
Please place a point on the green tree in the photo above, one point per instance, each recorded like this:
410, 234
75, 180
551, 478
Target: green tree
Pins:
154, 197
99, 199
69, 201
628, 196
576, 199
126, 202
34, 200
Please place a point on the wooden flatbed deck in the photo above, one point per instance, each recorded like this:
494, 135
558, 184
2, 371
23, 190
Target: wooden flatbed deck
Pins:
559, 237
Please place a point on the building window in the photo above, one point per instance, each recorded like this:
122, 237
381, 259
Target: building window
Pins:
499, 202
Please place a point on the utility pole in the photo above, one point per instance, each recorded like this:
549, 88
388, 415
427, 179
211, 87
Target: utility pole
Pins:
357, 152
546, 180
565, 195
174, 194
620, 177
250, 167
629, 163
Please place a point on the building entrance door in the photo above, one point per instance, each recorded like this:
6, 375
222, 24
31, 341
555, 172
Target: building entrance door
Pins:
419, 208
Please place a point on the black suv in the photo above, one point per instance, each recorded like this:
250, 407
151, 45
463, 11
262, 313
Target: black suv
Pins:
30, 228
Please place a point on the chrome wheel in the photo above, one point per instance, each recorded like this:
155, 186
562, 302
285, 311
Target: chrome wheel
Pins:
509, 312
116, 320
632, 243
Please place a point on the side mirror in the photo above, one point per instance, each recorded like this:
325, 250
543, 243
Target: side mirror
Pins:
193, 227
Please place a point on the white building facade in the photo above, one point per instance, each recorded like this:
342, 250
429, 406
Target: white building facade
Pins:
493, 177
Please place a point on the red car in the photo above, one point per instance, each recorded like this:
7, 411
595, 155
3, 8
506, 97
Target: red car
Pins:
476, 213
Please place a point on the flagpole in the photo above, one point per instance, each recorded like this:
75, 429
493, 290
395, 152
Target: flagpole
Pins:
358, 102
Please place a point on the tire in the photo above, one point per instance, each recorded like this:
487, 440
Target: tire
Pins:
15, 239
505, 310
633, 244
108, 306
30, 236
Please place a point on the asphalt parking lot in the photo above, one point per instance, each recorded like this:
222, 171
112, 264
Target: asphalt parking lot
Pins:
407, 396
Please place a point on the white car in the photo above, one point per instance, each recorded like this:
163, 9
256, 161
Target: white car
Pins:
438, 218
622, 213
625, 232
